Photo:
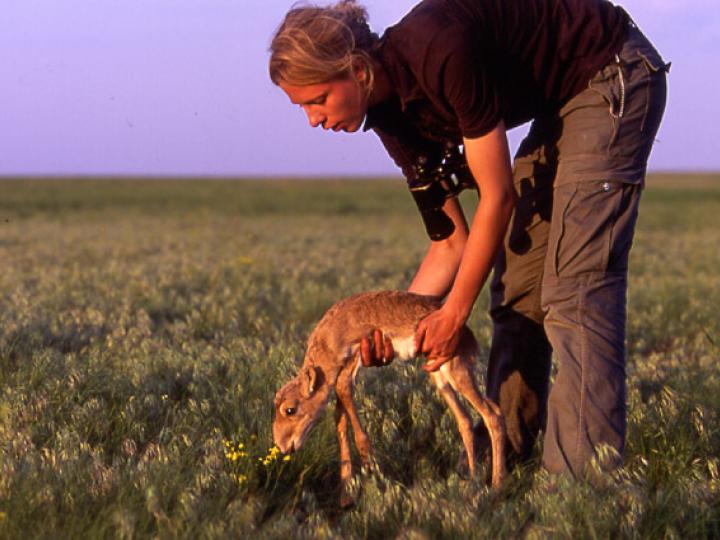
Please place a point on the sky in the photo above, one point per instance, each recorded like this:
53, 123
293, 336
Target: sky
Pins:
180, 87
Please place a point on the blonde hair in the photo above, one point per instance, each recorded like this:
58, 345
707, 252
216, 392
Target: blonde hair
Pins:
317, 44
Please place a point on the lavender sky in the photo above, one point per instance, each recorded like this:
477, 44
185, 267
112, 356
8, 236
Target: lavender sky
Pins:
180, 87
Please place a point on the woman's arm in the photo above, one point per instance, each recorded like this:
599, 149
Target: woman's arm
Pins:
437, 270
489, 160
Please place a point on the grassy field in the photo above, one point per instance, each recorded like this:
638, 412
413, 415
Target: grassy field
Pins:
145, 326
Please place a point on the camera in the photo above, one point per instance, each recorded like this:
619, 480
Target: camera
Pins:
435, 182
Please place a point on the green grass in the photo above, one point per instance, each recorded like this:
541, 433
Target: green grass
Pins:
145, 325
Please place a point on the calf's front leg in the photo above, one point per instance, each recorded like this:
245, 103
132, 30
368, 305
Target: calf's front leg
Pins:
344, 391
341, 424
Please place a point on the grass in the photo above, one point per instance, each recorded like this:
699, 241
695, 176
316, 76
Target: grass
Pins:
145, 326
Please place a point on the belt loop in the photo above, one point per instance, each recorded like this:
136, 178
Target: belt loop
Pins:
631, 22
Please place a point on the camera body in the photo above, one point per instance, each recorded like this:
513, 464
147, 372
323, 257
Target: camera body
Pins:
434, 183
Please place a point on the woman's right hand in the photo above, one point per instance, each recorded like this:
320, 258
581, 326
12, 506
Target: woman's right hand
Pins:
376, 350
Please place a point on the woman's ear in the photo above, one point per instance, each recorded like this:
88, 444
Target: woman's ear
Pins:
359, 70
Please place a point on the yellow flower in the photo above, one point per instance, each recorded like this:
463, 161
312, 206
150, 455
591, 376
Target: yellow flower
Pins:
286, 458
239, 478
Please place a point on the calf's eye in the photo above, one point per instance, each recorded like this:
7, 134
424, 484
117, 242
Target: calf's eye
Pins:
290, 411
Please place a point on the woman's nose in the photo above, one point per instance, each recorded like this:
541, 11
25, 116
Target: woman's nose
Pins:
315, 118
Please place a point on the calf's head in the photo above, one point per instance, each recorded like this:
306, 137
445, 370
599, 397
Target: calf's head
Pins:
298, 406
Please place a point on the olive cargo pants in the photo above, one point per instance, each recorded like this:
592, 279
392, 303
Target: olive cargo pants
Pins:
560, 281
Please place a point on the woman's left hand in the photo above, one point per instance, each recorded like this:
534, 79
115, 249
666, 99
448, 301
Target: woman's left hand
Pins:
437, 337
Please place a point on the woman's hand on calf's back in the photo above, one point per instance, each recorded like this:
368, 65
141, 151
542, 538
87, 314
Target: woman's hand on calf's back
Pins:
438, 335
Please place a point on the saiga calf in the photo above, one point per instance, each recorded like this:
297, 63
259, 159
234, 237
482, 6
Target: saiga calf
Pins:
333, 358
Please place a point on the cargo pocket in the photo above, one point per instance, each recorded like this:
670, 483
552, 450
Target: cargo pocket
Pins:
587, 212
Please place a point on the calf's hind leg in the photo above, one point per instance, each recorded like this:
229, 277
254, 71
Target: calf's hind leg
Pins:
464, 422
458, 371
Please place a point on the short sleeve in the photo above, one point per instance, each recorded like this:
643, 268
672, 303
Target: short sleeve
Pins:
469, 86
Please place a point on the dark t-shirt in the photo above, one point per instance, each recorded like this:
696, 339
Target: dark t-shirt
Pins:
458, 67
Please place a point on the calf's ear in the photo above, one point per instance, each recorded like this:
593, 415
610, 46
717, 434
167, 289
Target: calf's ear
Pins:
308, 380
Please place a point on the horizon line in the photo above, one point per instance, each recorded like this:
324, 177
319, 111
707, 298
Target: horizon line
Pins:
270, 177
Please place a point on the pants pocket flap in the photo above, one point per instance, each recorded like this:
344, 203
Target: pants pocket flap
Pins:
655, 63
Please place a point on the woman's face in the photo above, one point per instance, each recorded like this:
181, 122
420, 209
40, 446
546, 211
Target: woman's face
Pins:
339, 104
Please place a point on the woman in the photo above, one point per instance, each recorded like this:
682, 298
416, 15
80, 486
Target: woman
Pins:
557, 226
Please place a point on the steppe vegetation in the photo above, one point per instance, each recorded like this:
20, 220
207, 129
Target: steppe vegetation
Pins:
145, 326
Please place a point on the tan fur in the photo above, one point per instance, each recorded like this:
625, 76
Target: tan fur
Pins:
332, 358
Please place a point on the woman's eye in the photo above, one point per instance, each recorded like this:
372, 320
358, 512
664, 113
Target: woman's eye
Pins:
290, 411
